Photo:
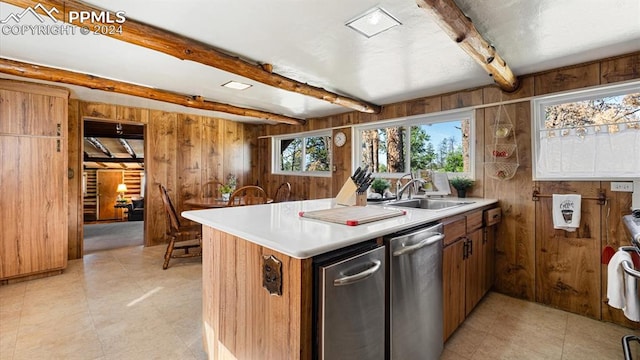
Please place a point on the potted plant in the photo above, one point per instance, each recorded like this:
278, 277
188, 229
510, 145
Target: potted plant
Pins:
380, 185
226, 190
232, 181
461, 184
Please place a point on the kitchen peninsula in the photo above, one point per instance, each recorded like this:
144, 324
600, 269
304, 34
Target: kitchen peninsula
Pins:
241, 318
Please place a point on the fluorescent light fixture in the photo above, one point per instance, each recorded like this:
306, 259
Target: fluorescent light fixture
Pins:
236, 85
373, 22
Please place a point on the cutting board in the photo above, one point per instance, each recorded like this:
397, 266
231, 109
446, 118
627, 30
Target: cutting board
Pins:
353, 215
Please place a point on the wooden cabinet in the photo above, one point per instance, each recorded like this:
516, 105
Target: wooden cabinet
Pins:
453, 283
467, 267
33, 176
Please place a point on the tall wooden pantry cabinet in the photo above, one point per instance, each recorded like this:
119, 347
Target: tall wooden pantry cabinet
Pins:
33, 179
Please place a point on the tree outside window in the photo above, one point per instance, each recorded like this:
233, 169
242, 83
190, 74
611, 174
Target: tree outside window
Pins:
442, 146
304, 155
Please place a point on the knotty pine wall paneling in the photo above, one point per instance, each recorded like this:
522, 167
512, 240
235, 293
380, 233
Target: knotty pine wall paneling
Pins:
161, 146
212, 147
188, 159
620, 69
515, 248
568, 263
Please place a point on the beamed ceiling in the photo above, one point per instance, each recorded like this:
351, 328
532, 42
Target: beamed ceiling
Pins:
109, 145
299, 57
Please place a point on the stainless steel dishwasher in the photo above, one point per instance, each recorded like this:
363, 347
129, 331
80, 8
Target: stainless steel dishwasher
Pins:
350, 305
414, 263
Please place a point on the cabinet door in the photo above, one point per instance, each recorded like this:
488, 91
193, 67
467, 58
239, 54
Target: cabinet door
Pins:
33, 235
453, 283
489, 259
474, 271
32, 114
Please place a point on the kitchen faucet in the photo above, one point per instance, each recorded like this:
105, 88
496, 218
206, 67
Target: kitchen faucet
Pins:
400, 190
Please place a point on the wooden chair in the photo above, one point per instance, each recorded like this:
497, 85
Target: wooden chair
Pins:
282, 193
211, 189
248, 195
180, 237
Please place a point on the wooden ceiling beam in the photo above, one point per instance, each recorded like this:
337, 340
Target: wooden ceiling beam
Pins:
125, 144
184, 48
33, 71
105, 160
99, 146
460, 28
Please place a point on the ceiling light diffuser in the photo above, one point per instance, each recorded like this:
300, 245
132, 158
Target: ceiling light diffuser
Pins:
236, 85
373, 22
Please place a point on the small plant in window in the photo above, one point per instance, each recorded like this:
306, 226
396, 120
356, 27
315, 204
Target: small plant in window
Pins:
461, 184
380, 185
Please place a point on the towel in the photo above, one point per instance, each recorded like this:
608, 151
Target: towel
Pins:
632, 305
566, 212
615, 279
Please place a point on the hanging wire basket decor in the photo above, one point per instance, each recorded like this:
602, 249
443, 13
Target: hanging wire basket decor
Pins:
501, 170
501, 130
501, 151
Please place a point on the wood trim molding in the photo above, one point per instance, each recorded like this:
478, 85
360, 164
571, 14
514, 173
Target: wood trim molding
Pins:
32, 71
151, 37
460, 28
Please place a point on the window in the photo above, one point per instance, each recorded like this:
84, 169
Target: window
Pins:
588, 135
441, 143
303, 154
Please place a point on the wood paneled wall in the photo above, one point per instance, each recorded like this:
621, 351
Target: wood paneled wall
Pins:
533, 262
181, 152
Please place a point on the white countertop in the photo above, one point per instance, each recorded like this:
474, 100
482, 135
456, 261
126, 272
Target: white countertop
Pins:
280, 228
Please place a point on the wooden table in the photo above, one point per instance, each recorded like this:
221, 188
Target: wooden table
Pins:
211, 203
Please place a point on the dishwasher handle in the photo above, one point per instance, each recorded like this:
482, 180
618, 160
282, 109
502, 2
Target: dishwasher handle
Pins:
412, 248
348, 280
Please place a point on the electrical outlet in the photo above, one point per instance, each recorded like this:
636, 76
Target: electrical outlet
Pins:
622, 186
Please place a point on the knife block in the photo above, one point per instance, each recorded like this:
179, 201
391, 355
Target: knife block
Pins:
348, 195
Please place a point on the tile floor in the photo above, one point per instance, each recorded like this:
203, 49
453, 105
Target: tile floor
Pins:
119, 304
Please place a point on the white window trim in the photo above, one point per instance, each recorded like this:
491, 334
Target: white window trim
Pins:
422, 119
538, 105
275, 154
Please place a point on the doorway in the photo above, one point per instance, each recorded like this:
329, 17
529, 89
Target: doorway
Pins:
113, 184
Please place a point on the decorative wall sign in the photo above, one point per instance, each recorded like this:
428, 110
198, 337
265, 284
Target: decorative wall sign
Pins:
272, 275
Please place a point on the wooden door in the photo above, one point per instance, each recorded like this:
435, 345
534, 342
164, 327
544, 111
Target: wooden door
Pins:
107, 184
568, 270
474, 270
32, 205
453, 284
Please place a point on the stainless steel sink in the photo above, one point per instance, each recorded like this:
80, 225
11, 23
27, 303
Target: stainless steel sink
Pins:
431, 204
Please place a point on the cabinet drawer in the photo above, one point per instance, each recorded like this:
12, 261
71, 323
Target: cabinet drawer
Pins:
474, 221
492, 216
454, 228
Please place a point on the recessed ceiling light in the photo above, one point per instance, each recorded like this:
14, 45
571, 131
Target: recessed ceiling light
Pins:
236, 85
373, 22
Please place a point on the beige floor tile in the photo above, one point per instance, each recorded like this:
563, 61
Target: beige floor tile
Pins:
466, 340
494, 348
593, 339
12, 290
74, 338
449, 354
7, 343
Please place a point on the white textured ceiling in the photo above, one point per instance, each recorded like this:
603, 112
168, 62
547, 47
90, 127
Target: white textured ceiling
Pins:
307, 41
